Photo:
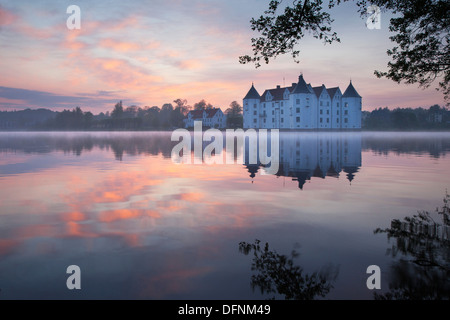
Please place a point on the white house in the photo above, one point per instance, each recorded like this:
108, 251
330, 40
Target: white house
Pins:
301, 106
213, 118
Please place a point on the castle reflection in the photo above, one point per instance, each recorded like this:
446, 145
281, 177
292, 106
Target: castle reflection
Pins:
321, 155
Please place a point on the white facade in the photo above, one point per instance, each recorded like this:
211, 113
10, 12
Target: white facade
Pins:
213, 118
302, 106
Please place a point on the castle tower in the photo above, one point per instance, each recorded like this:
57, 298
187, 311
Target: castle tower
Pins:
303, 99
251, 108
351, 109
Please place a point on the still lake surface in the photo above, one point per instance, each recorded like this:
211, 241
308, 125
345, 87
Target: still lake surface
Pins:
143, 227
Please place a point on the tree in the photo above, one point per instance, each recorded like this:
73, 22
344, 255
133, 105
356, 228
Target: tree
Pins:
165, 115
183, 106
202, 105
278, 274
131, 112
234, 115
117, 113
423, 271
421, 35
152, 117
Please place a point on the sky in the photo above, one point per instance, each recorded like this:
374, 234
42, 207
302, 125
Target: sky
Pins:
148, 53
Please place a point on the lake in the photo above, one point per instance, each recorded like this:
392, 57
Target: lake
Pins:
141, 226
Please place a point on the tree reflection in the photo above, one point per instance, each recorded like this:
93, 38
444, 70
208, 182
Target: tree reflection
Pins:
277, 274
424, 270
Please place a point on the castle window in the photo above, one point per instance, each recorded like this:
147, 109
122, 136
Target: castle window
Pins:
321, 120
328, 103
264, 105
338, 104
297, 119
337, 120
337, 112
273, 112
254, 112
254, 120
246, 102
328, 120
321, 111
273, 120
282, 120
298, 110
273, 105
321, 103
328, 111
254, 106
345, 112
346, 104
346, 120
297, 101
281, 103
282, 111
264, 120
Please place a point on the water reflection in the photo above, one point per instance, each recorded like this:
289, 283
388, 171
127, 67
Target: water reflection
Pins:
302, 155
423, 272
320, 155
435, 144
277, 274
116, 205
119, 143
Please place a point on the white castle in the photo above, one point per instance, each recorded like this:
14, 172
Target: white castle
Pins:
302, 106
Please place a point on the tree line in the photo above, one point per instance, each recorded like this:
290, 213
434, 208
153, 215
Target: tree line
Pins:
168, 117
434, 118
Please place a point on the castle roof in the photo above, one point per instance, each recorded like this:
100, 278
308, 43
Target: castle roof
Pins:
301, 86
318, 90
351, 92
332, 91
277, 93
252, 93
197, 114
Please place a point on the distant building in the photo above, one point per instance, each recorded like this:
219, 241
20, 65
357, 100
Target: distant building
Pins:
302, 106
213, 118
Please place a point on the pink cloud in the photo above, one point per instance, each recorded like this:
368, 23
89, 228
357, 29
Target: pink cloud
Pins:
7, 17
189, 64
119, 45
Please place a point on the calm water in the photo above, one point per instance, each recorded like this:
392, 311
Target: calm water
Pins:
142, 227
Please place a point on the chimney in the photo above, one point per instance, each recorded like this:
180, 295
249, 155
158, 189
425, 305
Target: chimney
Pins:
278, 86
